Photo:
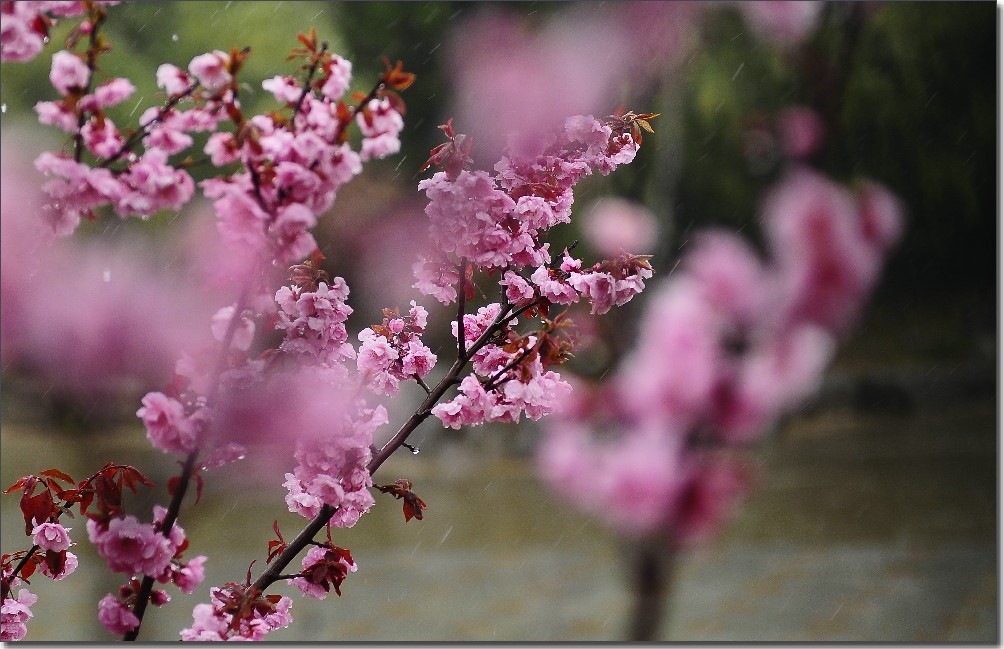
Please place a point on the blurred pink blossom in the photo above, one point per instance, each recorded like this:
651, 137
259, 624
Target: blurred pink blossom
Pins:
616, 225
786, 22
801, 130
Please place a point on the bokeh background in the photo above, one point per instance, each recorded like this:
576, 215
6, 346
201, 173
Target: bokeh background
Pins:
874, 516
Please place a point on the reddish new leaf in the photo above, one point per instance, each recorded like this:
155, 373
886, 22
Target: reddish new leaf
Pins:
56, 473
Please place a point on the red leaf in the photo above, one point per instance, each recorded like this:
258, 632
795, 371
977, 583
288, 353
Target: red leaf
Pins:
20, 484
56, 473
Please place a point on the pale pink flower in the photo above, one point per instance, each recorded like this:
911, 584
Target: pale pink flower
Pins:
55, 113
786, 22
339, 73
222, 149
131, 547
172, 79
167, 426
323, 569
518, 290
244, 330
284, 89
68, 72
51, 537
15, 614
70, 563
18, 41
101, 137
116, 616
189, 575
613, 226
210, 69
112, 92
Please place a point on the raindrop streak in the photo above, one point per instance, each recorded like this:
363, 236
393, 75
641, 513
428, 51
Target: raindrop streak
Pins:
446, 534
740, 69
106, 275
3, 108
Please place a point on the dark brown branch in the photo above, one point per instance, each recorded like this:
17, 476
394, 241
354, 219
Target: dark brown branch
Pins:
143, 597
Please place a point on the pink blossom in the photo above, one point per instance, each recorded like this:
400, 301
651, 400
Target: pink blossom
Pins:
189, 575
551, 287
222, 149
290, 231
173, 80
613, 226
827, 264
18, 41
116, 616
112, 92
51, 537
339, 77
470, 407
243, 333
324, 568
68, 72
518, 290
785, 22
152, 184
801, 129
436, 279
15, 614
101, 137
284, 89
131, 547
70, 563
210, 69
671, 371
418, 359
731, 276
56, 113
212, 622
167, 426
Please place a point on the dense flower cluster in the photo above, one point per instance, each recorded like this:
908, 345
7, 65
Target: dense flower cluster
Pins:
324, 568
24, 26
498, 220
393, 351
135, 549
725, 347
236, 614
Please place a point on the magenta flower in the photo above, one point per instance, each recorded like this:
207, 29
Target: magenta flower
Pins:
210, 69
15, 614
167, 426
68, 72
116, 616
131, 547
189, 575
51, 537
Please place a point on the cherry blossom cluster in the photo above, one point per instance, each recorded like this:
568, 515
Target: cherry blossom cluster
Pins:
393, 351
136, 548
509, 379
58, 562
498, 220
24, 26
725, 347
324, 568
238, 612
